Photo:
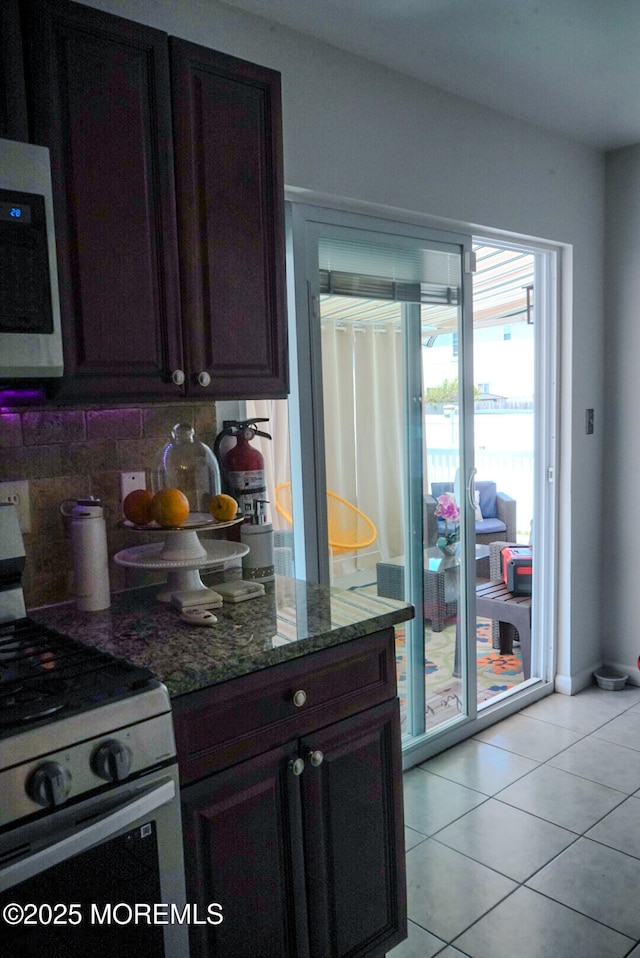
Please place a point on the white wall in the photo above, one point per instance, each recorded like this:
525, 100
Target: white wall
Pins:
621, 499
360, 131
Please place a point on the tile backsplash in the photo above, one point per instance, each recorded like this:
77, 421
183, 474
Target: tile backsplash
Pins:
67, 453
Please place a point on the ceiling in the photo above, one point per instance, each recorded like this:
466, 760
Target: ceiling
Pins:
571, 66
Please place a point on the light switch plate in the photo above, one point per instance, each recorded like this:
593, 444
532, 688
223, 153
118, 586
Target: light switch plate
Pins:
589, 422
130, 481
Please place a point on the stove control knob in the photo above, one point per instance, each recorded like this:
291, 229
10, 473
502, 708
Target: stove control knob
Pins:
112, 761
49, 785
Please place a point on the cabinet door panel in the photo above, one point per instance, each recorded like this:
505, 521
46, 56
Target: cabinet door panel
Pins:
13, 95
228, 155
354, 836
243, 849
100, 94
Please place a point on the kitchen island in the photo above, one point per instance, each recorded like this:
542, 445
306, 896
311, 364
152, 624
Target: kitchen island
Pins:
288, 736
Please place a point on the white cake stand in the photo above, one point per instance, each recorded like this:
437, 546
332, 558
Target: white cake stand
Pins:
181, 554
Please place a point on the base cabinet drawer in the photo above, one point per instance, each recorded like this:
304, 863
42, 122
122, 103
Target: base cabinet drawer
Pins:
302, 847
247, 716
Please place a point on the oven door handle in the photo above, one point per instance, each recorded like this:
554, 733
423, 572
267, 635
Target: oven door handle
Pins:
101, 829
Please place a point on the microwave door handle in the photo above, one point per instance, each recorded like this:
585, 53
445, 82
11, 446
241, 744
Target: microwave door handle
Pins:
98, 831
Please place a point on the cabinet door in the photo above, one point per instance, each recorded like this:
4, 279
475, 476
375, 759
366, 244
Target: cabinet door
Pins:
230, 197
243, 849
13, 97
354, 835
99, 88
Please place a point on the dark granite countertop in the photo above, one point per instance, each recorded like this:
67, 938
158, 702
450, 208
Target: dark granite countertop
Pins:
292, 619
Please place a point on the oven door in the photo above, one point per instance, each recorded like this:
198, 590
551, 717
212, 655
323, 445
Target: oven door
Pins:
99, 878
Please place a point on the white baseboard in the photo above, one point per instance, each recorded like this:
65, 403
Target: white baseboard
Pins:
572, 684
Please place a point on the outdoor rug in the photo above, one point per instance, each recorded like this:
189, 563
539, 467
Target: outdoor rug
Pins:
496, 673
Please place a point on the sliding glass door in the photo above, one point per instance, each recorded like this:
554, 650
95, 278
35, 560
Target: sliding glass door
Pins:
374, 520
416, 464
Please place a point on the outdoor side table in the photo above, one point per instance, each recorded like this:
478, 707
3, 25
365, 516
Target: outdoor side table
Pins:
441, 583
494, 601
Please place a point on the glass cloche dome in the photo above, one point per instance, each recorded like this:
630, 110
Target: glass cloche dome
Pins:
187, 464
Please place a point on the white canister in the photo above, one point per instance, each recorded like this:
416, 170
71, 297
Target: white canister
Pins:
90, 559
258, 563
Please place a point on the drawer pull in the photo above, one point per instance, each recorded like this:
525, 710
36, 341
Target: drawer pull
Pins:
178, 377
299, 698
204, 379
316, 757
297, 766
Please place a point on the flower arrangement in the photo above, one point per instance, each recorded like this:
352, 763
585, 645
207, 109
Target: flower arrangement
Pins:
448, 509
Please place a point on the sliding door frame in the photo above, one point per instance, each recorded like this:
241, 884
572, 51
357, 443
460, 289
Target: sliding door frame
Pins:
306, 222
309, 224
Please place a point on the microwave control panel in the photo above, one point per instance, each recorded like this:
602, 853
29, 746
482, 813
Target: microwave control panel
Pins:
25, 289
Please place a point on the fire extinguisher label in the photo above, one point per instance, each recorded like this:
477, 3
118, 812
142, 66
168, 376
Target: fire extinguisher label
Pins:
250, 481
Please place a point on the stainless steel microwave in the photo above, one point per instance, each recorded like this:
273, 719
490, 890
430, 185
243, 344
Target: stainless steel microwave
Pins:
30, 333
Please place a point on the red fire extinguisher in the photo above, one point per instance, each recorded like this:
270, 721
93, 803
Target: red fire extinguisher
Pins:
241, 465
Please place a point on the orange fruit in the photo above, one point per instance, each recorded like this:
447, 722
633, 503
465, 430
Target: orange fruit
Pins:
170, 507
137, 506
223, 507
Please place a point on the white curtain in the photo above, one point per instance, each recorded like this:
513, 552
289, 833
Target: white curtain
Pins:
362, 370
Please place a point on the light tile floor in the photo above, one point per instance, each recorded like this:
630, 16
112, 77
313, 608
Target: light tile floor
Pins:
525, 840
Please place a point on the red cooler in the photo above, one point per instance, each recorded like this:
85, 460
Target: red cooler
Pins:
517, 569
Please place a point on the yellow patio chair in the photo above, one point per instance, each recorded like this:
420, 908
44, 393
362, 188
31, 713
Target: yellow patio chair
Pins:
348, 528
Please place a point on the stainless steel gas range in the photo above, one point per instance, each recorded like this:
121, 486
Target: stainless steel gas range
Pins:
90, 835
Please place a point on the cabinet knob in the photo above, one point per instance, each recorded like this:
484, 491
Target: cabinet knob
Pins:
297, 766
316, 757
178, 377
299, 698
204, 379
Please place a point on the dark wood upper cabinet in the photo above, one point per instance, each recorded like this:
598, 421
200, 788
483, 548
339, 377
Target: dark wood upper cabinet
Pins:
99, 93
229, 180
13, 99
171, 281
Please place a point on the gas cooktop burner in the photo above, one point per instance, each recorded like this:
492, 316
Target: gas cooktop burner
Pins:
45, 673
9, 649
27, 706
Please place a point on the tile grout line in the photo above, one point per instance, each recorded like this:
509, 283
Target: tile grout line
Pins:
583, 737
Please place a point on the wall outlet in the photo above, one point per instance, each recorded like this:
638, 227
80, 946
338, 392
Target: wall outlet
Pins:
18, 493
130, 481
